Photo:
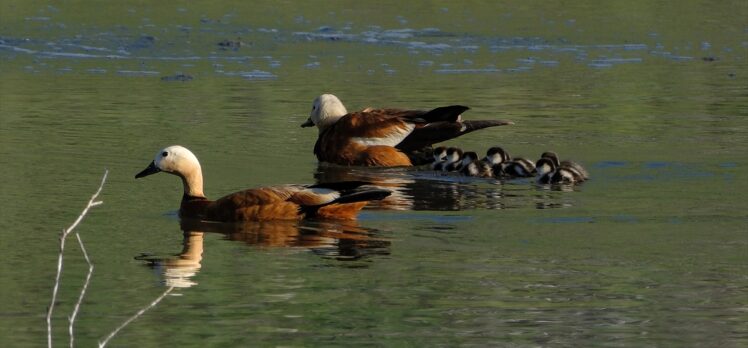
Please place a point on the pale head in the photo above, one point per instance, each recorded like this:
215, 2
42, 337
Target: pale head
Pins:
181, 162
176, 160
326, 110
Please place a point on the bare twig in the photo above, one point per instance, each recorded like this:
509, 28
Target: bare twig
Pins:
136, 316
83, 290
91, 203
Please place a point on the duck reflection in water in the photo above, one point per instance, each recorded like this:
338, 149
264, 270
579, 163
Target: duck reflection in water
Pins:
339, 240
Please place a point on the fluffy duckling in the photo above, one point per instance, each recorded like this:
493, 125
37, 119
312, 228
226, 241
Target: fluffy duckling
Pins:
503, 165
477, 168
467, 158
383, 137
520, 168
453, 160
340, 200
497, 158
497, 155
440, 156
576, 170
551, 171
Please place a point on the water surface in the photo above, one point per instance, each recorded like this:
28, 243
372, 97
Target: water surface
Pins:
651, 98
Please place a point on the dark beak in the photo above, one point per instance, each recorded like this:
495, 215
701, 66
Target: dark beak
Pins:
308, 123
151, 169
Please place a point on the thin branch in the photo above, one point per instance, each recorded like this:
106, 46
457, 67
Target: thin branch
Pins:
91, 203
83, 290
136, 316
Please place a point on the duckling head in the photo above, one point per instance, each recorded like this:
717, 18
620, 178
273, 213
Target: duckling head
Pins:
497, 155
454, 154
468, 157
552, 156
326, 110
179, 161
545, 165
440, 153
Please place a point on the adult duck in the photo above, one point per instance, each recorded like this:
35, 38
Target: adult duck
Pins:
340, 200
383, 137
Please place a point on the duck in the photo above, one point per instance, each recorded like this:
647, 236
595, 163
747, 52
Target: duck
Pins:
383, 137
552, 171
339, 200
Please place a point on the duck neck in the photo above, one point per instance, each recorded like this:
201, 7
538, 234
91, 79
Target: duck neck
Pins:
193, 184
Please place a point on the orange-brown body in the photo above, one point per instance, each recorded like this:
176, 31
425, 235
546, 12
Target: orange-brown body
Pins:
265, 204
384, 137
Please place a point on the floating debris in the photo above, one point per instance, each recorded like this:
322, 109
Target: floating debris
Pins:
177, 77
231, 44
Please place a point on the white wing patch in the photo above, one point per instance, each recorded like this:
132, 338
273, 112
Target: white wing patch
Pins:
323, 195
397, 135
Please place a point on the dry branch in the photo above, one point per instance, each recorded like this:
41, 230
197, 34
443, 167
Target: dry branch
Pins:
91, 203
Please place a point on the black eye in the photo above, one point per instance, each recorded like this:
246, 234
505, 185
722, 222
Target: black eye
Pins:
164, 154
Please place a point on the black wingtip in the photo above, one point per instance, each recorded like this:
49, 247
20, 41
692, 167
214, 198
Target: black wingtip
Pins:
445, 113
368, 195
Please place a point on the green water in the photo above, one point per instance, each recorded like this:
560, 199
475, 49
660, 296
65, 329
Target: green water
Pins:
651, 98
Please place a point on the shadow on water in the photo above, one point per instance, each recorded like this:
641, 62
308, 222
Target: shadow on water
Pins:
422, 189
337, 240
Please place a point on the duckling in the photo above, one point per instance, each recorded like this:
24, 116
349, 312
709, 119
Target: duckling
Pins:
453, 161
467, 158
477, 168
440, 156
497, 155
497, 158
549, 173
580, 174
519, 168
341, 200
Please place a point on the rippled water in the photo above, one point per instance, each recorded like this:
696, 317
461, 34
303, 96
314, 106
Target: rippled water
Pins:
651, 98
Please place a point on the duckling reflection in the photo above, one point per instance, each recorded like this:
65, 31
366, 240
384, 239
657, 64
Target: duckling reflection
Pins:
331, 239
414, 189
